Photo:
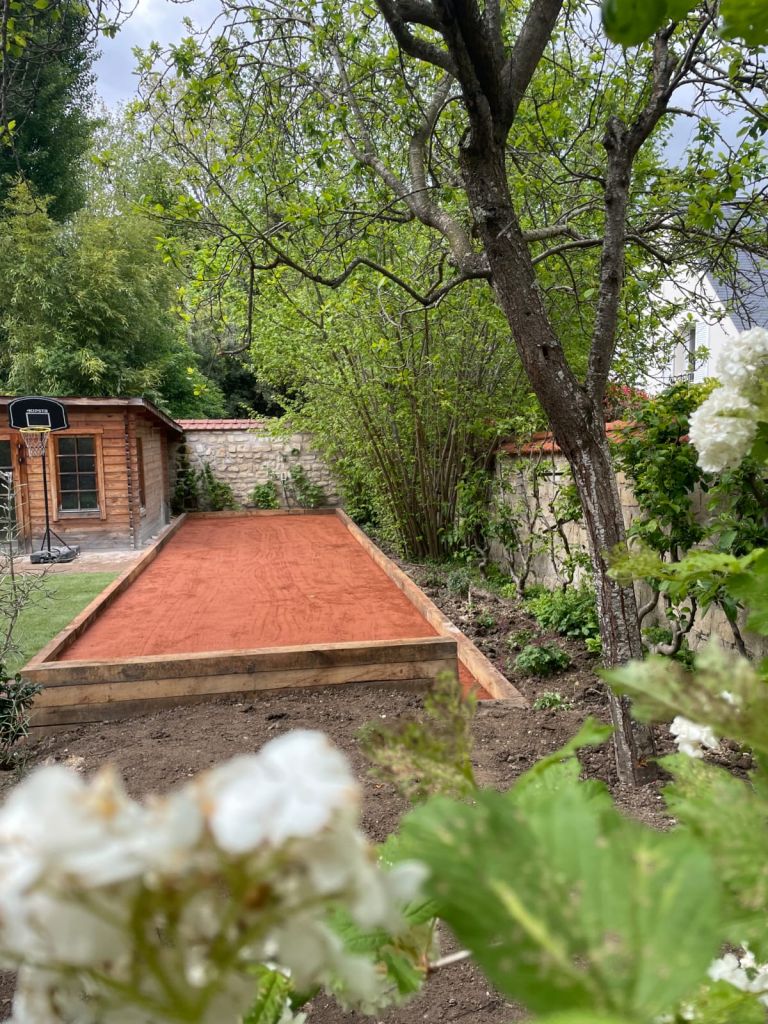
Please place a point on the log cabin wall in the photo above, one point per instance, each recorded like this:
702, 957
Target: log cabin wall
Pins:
108, 484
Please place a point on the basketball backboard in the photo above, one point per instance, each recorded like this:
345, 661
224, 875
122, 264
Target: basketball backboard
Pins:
37, 412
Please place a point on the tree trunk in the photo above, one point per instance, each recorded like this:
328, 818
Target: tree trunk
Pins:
576, 419
593, 473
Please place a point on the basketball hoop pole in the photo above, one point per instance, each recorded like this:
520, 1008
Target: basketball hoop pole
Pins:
46, 541
36, 418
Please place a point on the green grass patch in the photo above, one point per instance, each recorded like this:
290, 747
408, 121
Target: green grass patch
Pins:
53, 608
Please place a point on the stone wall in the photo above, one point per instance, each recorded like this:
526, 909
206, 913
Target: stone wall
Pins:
245, 453
549, 549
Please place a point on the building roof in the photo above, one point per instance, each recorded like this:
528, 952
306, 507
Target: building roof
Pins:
142, 404
221, 424
544, 442
745, 295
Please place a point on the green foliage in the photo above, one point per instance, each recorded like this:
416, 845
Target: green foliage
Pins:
485, 621
48, 99
736, 839
551, 700
630, 22
16, 699
566, 903
724, 692
519, 638
265, 495
302, 491
431, 755
542, 659
710, 575
86, 308
404, 956
569, 612
661, 465
274, 989
186, 491
215, 495
460, 579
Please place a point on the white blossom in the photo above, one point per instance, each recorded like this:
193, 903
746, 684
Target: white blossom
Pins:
743, 972
290, 789
691, 739
723, 429
103, 899
744, 361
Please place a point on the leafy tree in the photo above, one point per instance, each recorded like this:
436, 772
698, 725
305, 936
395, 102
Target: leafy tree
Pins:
86, 308
52, 124
407, 404
528, 146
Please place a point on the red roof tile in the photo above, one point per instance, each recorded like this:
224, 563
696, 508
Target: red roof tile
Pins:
544, 442
221, 424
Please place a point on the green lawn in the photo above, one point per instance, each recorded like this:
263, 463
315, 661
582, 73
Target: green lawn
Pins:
65, 595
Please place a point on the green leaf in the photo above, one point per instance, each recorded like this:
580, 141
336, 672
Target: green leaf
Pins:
747, 19
732, 820
566, 904
631, 22
274, 990
579, 1017
752, 589
724, 692
723, 1004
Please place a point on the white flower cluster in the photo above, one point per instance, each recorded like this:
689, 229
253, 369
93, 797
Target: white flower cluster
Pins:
723, 428
743, 972
691, 739
124, 913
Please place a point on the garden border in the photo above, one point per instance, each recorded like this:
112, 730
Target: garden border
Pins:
79, 692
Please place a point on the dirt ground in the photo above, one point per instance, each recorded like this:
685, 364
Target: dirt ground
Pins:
155, 752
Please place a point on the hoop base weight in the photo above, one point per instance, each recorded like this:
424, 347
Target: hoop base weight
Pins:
64, 554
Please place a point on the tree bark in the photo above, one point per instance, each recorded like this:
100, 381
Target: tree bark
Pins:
576, 418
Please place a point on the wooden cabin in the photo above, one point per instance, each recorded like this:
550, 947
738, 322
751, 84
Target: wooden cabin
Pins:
108, 474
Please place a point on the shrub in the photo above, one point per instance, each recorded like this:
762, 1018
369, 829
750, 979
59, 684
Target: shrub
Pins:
16, 697
215, 495
542, 660
484, 620
305, 492
519, 638
460, 579
265, 495
551, 700
186, 492
571, 612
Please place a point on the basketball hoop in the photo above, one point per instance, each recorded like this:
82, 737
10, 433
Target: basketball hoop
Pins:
35, 439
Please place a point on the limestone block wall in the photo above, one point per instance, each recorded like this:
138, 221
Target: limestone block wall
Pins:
534, 508
244, 453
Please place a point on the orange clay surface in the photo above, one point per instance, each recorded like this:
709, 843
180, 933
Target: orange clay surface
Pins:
253, 582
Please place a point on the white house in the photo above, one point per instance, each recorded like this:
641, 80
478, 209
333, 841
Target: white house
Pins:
712, 312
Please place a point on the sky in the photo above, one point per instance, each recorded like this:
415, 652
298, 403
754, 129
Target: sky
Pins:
158, 20
162, 21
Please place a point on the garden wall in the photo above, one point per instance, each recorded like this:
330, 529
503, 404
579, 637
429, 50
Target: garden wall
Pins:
244, 453
551, 549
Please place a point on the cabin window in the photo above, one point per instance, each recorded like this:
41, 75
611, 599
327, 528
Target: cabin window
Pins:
78, 484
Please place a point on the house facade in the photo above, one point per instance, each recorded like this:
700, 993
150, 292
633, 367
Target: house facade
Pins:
108, 478
712, 313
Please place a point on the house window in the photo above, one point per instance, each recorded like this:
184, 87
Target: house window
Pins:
691, 351
78, 487
140, 465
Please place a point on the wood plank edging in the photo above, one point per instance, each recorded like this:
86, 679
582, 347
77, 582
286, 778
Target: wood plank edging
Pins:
253, 662
486, 674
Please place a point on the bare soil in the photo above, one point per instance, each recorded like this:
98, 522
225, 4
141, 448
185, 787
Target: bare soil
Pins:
155, 752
